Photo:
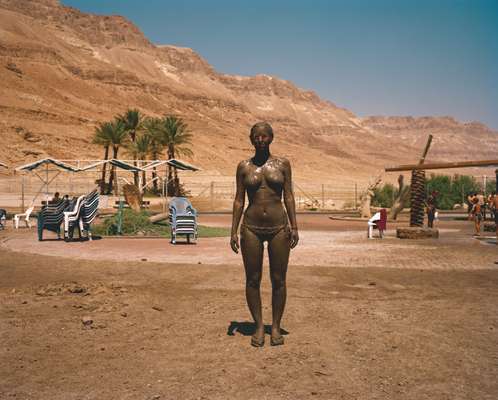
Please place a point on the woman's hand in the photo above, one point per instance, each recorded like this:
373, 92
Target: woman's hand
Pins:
234, 243
294, 238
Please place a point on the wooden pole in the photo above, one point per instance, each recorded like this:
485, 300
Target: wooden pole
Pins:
426, 149
323, 196
355, 196
211, 195
417, 190
22, 194
443, 165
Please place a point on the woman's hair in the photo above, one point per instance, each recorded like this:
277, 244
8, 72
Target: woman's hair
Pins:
261, 126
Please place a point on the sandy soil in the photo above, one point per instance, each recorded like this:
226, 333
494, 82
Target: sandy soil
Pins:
381, 328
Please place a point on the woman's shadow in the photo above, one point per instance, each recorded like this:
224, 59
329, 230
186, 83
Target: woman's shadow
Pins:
247, 328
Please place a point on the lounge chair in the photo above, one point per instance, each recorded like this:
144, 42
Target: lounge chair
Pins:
378, 221
72, 217
182, 218
3, 217
25, 216
50, 218
89, 212
81, 216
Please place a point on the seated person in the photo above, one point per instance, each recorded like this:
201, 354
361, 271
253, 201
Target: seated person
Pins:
3, 217
56, 198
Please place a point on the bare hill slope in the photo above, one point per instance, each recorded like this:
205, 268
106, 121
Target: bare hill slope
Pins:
64, 71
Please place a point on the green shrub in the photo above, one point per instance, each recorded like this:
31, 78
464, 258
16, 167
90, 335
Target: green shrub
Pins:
138, 224
451, 190
132, 223
384, 196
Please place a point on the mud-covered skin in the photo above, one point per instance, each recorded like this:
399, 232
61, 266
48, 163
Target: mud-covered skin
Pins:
264, 186
266, 180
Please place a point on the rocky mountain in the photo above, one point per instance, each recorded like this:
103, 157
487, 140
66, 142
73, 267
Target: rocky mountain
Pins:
64, 71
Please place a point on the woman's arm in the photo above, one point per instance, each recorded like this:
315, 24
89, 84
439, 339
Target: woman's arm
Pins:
238, 207
290, 204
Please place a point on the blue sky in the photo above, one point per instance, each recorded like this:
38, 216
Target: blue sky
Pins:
375, 57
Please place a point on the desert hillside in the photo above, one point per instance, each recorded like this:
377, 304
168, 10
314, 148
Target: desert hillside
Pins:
64, 71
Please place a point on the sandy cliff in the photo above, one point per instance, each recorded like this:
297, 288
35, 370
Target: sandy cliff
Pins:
64, 71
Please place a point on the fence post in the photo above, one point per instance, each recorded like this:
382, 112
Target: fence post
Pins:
323, 196
211, 195
355, 195
22, 194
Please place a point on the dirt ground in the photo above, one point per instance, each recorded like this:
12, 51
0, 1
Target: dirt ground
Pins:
382, 320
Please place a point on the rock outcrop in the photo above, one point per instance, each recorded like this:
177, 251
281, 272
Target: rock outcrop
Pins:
64, 71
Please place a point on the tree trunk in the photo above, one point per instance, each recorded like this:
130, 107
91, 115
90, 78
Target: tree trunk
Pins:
133, 136
170, 186
112, 179
104, 167
400, 200
154, 175
366, 199
144, 181
176, 182
417, 198
365, 205
154, 182
399, 203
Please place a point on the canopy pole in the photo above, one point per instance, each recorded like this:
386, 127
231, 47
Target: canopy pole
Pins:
46, 186
22, 194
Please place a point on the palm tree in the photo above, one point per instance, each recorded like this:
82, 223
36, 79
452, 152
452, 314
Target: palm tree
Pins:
102, 137
117, 138
139, 149
133, 121
176, 139
153, 128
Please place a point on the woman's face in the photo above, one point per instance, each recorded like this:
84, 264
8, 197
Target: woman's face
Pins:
261, 139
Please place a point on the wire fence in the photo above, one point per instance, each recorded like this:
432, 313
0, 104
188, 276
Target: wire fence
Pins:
208, 192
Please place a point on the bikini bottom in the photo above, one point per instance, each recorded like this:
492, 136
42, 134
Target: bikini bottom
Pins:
265, 233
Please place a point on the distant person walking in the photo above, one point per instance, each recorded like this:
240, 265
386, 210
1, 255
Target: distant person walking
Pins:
493, 206
482, 203
470, 203
476, 215
431, 209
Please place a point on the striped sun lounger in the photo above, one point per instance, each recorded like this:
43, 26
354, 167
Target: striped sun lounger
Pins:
82, 216
183, 219
50, 218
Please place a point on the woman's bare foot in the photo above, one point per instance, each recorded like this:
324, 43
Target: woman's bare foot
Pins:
276, 337
258, 339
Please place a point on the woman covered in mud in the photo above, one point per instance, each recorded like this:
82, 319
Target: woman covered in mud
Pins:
265, 179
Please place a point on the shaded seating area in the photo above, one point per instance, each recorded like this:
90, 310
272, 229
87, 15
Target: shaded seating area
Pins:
183, 219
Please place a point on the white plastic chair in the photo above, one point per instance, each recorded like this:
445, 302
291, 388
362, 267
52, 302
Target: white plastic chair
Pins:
25, 216
73, 216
